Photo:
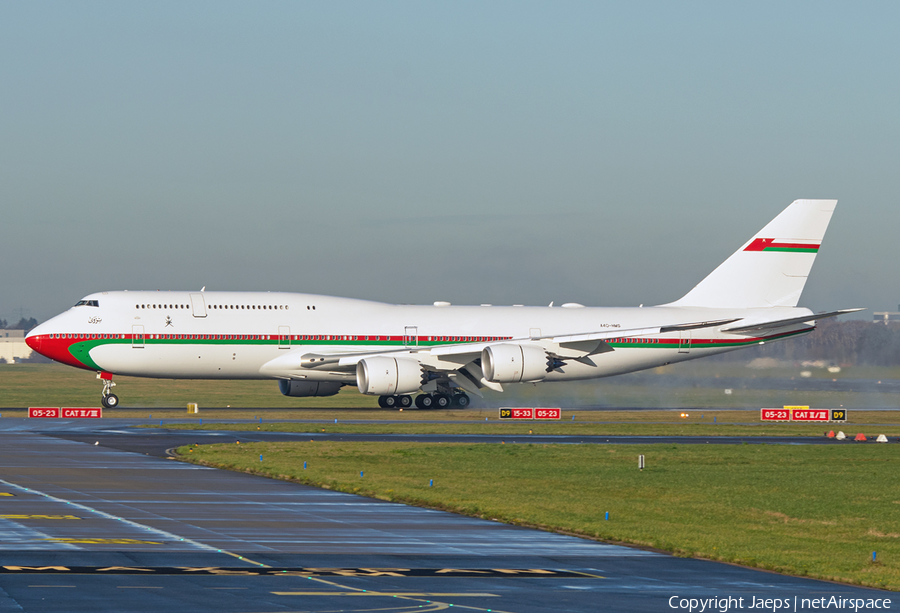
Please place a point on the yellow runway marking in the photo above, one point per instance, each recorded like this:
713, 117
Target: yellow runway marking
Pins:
426, 605
394, 594
6, 494
38, 517
93, 541
234, 555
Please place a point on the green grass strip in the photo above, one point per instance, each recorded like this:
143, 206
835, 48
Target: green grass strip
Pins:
803, 510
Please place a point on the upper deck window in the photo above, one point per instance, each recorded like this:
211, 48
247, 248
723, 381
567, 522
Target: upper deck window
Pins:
93, 303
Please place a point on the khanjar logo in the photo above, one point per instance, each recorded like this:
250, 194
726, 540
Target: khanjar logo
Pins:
169, 321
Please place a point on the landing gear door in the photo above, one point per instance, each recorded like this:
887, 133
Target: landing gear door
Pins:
284, 337
684, 341
411, 336
137, 337
198, 305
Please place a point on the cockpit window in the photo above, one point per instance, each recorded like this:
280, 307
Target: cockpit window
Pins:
93, 303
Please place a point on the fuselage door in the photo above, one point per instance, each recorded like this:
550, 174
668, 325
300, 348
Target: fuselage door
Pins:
137, 337
411, 336
198, 305
684, 341
284, 337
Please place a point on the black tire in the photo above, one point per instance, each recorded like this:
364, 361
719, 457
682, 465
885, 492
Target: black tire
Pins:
441, 401
390, 402
421, 401
110, 402
461, 401
404, 401
381, 402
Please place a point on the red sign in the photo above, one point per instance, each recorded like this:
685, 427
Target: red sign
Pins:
547, 413
802, 413
775, 415
810, 415
43, 412
517, 413
82, 413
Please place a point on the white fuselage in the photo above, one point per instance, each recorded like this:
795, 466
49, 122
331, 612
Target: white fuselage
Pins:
261, 335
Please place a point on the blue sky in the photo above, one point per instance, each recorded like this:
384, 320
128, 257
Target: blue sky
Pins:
505, 152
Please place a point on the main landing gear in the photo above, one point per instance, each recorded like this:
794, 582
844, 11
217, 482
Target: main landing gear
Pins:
391, 402
107, 398
425, 401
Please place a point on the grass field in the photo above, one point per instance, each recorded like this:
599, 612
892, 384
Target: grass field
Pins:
612, 423
692, 385
809, 510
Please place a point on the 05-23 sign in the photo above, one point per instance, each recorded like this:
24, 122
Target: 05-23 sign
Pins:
65, 412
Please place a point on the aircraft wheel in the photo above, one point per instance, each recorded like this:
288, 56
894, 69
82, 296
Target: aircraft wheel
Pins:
441, 401
424, 401
404, 401
389, 402
110, 402
461, 401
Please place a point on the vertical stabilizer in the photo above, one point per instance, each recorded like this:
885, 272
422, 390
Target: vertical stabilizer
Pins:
771, 268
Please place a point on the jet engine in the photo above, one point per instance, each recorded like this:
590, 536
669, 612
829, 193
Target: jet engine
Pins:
308, 388
513, 363
388, 376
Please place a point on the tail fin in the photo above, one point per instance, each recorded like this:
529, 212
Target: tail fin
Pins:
772, 267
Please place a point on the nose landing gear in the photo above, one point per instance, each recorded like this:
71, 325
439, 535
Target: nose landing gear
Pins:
107, 398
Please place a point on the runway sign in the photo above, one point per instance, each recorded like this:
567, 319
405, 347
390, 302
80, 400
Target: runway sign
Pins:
82, 413
529, 413
516, 413
43, 412
802, 414
65, 413
775, 415
810, 415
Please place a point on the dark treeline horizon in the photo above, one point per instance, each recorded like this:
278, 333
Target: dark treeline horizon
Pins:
24, 324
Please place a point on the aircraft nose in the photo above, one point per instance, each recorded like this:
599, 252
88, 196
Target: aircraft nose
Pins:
33, 341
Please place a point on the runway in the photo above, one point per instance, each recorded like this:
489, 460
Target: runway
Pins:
118, 527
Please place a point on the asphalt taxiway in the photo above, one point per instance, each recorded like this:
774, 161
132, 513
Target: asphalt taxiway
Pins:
115, 526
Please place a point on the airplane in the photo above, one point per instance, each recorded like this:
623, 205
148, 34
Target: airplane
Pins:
313, 345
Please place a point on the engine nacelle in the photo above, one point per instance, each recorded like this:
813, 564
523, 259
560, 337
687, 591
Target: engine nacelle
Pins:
386, 376
513, 363
308, 388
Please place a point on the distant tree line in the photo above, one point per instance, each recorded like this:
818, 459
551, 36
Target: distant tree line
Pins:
24, 324
845, 343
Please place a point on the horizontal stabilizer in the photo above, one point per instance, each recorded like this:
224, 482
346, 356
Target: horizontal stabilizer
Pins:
784, 323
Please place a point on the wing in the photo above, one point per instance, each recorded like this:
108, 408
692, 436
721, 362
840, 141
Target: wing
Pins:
460, 362
778, 324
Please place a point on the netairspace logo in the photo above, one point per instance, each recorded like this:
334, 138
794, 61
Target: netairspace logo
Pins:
724, 604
